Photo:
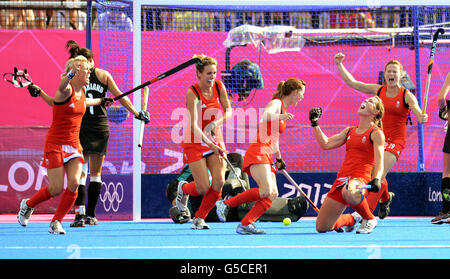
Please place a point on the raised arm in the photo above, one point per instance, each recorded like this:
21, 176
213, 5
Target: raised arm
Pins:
64, 88
332, 142
324, 141
350, 80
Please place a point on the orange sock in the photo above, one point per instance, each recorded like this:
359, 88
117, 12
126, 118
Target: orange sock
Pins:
344, 220
248, 196
208, 202
40, 196
190, 189
374, 198
363, 209
258, 209
65, 204
384, 191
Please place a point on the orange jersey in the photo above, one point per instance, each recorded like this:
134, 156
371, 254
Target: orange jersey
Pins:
208, 110
359, 157
67, 115
268, 134
395, 115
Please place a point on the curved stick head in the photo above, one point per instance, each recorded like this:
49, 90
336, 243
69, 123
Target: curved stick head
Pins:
436, 34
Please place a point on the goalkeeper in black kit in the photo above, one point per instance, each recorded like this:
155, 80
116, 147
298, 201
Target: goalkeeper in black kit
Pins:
294, 208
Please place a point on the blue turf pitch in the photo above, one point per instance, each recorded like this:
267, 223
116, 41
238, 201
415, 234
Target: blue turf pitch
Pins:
393, 238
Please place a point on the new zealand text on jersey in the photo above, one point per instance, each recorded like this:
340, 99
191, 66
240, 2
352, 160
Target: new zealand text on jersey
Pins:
95, 87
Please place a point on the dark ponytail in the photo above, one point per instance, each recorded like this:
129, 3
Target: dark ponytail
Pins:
75, 50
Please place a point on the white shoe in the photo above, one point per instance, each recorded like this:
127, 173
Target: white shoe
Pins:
182, 198
56, 228
367, 226
250, 229
199, 224
24, 213
357, 219
222, 210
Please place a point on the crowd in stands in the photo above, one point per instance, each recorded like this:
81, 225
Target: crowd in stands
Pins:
59, 16
73, 17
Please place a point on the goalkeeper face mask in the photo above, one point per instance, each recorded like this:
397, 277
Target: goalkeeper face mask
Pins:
18, 78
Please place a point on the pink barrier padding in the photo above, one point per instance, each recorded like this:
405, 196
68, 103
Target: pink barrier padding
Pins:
44, 55
21, 174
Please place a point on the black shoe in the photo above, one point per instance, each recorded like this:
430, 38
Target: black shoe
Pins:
92, 221
79, 221
384, 208
441, 218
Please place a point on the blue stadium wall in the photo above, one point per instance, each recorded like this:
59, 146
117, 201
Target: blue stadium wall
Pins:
417, 193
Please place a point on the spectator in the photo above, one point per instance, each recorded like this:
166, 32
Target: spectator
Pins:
115, 20
72, 18
20, 18
301, 20
277, 18
324, 20
365, 17
167, 20
3, 20
259, 19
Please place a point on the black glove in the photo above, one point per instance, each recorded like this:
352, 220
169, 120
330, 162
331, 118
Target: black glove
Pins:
143, 116
443, 111
314, 115
375, 185
106, 101
34, 90
282, 164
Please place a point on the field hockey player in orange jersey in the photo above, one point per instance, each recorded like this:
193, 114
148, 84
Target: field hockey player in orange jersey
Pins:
205, 101
364, 153
398, 102
63, 153
258, 157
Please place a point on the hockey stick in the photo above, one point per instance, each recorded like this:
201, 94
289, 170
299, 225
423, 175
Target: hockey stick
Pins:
284, 172
430, 66
228, 162
144, 108
161, 76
